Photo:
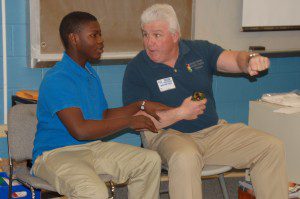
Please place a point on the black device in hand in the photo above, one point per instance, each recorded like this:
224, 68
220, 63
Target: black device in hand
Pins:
197, 96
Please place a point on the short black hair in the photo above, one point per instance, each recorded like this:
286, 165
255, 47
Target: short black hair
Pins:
71, 24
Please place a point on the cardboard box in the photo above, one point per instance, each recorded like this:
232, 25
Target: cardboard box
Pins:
19, 191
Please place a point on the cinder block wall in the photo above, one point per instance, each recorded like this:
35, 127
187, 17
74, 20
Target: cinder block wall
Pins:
232, 93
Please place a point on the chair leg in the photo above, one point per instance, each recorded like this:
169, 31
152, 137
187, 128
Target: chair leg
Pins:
111, 186
10, 181
223, 186
32, 192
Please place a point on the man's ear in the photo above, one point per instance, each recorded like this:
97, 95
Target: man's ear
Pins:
73, 39
175, 37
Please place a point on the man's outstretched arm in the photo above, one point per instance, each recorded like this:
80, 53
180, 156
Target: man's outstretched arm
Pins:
242, 62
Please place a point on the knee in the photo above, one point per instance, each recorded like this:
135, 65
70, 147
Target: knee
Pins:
153, 157
276, 145
186, 158
89, 192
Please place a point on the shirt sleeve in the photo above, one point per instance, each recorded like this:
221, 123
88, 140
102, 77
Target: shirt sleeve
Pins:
59, 93
211, 53
134, 88
214, 52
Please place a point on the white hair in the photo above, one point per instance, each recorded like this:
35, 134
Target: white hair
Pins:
164, 12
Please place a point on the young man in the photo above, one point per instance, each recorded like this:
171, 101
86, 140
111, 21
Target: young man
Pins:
169, 70
73, 116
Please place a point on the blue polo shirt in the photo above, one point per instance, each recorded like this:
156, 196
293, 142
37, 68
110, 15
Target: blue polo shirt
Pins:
193, 71
66, 85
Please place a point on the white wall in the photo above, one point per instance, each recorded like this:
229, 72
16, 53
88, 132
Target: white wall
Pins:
220, 21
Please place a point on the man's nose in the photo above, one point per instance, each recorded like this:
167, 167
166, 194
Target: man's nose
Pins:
100, 40
150, 40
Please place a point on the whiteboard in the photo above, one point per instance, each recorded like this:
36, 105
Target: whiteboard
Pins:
220, 22
271, 13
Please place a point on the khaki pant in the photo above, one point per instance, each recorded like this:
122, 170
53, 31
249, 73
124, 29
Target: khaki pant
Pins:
74, 170
236, 145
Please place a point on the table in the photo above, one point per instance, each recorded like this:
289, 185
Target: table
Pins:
284, 126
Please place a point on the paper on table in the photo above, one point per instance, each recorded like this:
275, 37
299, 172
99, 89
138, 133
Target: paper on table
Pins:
290, 100
287, 99
288, 110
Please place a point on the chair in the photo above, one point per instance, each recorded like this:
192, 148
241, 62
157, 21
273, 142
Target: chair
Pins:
21, 131
219, 170
208, 170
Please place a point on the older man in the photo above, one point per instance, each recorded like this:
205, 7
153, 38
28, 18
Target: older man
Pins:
169, 70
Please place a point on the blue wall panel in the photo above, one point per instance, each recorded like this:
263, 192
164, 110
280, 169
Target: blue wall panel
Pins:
3, 148
16, 11
19, 40
8, 41
21, 77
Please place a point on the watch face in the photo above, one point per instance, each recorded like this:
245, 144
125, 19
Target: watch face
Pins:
143, 105
197, 96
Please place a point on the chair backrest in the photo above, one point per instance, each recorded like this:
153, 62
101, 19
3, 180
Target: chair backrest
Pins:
21, 126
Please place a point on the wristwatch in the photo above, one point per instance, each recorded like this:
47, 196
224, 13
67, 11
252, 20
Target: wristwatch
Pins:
251, 55
143, 105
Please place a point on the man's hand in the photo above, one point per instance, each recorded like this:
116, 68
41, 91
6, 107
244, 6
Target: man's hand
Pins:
256, 64
190, 110
141, 122
152, 108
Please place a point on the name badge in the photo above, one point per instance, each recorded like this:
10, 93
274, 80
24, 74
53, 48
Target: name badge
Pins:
165, 84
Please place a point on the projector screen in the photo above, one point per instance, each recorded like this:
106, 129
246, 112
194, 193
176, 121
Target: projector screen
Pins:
269, 15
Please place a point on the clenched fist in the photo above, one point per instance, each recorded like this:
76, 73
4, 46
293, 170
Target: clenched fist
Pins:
257, 63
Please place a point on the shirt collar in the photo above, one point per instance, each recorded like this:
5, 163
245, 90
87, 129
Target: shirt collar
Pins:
75, 67
183, 50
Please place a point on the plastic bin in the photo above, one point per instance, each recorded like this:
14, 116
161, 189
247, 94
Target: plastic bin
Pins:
19, 190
